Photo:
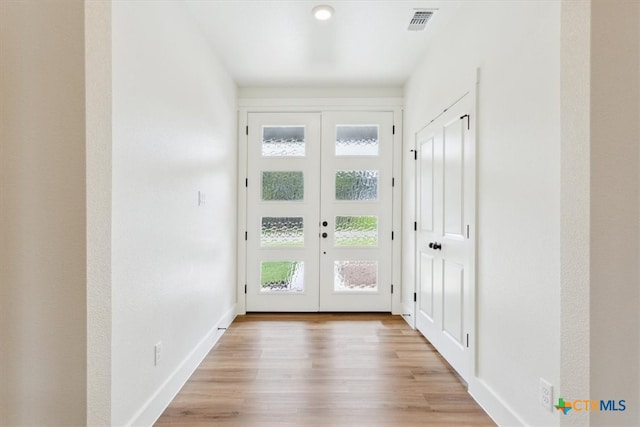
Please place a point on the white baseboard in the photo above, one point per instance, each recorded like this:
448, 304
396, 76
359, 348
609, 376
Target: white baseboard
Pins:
493, 405
155, 406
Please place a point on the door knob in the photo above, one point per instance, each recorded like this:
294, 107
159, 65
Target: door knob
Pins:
437, 246
325, 223
431, 245
324, 235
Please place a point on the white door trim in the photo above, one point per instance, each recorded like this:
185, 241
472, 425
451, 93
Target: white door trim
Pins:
471, 219
318, 105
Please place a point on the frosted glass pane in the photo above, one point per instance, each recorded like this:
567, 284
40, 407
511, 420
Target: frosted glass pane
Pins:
281, 231
278, 141
282, 276
356, 231
355, 276
287, 186
357, 185
357, 140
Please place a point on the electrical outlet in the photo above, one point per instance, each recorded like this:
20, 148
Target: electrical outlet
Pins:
546, 395
157, 353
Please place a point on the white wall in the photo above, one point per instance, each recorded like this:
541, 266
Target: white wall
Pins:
42, 214
99, 164
517, 47
174, 134
319, 92
575, 214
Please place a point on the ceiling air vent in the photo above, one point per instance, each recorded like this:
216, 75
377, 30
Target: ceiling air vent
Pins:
419, 20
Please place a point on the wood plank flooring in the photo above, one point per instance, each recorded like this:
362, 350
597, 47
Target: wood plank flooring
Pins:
323, 370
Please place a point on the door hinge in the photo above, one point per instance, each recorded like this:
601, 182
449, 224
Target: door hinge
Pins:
246, 235
246, 182
393, 182
393, 129
245, 288
467, 340
415, 154
415, 225
247, 130
415, 297
468, 120
392, 235
392, 288
467, 231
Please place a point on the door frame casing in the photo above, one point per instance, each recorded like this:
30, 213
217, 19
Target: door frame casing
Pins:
319, 105
471, 200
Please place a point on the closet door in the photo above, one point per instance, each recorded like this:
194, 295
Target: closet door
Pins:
446, 186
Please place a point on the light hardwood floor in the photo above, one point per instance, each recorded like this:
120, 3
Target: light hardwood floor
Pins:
324, 370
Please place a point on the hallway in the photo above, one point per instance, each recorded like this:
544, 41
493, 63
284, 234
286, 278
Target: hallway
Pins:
323, 370
127, 226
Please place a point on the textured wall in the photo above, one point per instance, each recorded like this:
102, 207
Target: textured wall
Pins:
575, 214
174, 134
615, 224
99, 164
42, 214
516, 45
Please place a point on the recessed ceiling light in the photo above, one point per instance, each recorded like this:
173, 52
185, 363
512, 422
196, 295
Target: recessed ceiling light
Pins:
323, 12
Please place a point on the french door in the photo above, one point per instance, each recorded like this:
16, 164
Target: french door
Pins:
319, 211
445, 243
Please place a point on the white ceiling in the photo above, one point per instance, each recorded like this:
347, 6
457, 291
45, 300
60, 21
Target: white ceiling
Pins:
276, 43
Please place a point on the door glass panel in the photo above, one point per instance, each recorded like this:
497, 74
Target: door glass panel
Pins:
278, 141
282, 276
355, 276
281, 232
356, 231
282, 186
357, 185
357, 140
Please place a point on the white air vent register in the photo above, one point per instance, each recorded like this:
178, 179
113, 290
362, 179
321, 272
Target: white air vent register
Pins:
420, 19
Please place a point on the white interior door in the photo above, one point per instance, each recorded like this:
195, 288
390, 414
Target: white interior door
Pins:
319, 211
445, 248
